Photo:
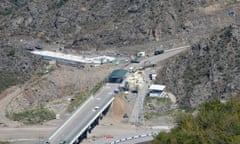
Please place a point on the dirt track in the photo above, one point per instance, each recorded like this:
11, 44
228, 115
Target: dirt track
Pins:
6, 98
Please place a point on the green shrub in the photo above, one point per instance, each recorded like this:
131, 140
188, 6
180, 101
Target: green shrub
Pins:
7, 80
34, 116
11, 53
79, 99
216, 122
3, 142
6, 11
58, 4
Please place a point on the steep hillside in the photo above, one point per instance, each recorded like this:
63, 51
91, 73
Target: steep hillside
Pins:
97, 25
101, 24
211, 69
215, 122
16, 65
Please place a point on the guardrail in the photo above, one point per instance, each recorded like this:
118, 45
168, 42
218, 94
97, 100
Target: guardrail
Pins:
75, 113
134, 137
92, 120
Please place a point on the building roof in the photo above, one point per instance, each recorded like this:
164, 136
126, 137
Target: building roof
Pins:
157, 87
74, 58
119, 73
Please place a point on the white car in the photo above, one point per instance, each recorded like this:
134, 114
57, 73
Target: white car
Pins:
123, 139
143, 135
137, 136
95, 108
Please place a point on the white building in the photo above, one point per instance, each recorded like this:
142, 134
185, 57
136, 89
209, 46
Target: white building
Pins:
74, 58
156, 90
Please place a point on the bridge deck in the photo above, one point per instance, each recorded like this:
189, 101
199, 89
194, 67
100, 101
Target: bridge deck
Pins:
82, 118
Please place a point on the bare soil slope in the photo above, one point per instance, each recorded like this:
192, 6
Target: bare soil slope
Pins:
118, 109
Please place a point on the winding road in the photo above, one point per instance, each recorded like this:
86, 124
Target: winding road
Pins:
36, 135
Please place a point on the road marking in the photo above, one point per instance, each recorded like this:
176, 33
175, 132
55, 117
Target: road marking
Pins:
106, 86
66, 122
102, 109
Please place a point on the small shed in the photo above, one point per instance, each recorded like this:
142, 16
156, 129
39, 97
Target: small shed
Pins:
117, 76
156, 90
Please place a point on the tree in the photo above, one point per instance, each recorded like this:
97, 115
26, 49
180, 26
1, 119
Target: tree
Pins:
216, 122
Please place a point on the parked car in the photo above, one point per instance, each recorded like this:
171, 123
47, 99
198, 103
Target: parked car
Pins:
38, 47
135, 61
29, 48
158, 52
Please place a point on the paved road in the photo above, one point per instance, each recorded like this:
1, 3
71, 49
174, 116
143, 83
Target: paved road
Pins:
137, 115
83, 115
167, 54
29, 135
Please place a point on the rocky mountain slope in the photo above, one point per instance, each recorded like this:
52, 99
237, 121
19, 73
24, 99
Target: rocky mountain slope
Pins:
16, 65
98, 25
210, 70
109, 23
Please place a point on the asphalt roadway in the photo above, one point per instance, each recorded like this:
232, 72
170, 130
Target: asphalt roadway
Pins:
72, 126
137, 112
26, 135
82, 116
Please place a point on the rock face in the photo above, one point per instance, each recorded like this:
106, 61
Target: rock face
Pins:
111, 23
210, 70
101, 24
16, 65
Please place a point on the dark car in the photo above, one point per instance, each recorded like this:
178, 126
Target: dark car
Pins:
158, 52
38, 47
135, 60
46, 142
29, 49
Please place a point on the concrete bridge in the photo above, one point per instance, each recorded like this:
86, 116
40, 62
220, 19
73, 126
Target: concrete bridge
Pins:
76, 128
84, 119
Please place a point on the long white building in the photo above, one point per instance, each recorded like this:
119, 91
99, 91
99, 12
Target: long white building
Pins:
74, 58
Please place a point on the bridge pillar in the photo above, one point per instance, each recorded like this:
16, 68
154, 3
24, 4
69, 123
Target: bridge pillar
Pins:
97, 120
106, 110
81, 137
84, 135
93, 125
89, 130
77, 141
101, 116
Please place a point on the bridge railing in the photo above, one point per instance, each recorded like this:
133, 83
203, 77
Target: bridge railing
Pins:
92, 120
